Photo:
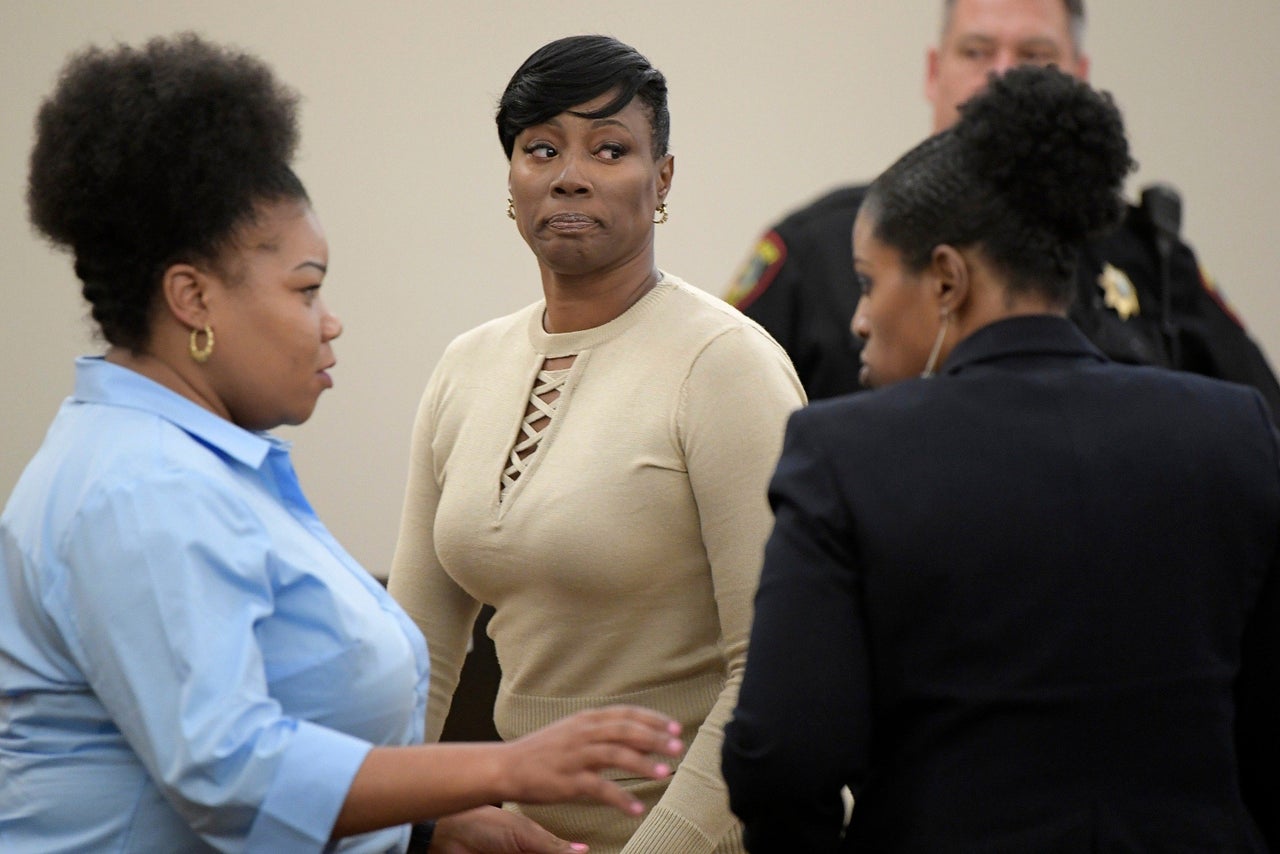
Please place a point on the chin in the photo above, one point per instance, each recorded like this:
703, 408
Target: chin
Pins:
294, 419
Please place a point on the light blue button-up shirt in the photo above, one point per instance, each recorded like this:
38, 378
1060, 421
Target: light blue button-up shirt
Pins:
188, 659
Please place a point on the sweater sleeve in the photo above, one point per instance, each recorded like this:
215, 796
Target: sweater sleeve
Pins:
442, 610
735, 403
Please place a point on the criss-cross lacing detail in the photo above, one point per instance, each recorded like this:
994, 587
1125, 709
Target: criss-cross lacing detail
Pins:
542, 407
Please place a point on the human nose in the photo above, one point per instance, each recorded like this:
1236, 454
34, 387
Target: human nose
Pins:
1004, 60
330, 326
859, 325
572, 180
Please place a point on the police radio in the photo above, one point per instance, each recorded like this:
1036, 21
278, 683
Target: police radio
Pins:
1162, 206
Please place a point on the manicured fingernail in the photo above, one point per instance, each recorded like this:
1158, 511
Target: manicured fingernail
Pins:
635, 808
675, 745
578, 846
674, 727
662, 769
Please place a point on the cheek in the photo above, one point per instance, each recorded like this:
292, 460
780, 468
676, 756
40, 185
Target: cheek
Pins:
973, 83
637, 192
898, 330
521, 187
963, 83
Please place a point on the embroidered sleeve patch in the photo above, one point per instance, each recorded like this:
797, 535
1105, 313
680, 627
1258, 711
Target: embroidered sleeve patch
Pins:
1215, 293
757, 272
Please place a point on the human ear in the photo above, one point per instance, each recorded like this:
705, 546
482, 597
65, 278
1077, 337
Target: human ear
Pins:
931, 76
666, 170
951, 277
1082, 67
183, 287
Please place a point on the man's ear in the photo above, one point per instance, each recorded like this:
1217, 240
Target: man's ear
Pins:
951, 279
183, 289
931, 76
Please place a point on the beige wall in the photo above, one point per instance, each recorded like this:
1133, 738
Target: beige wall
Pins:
771, 104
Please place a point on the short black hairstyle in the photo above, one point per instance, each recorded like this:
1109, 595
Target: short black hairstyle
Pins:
573, 70
145, 157
1035, 165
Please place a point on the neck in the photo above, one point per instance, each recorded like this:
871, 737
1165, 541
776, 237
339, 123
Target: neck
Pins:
158, 369
577, 302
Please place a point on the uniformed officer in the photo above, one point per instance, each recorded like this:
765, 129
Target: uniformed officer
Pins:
1142, 295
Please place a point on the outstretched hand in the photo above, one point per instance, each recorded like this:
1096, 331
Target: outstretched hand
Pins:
563, 761
560, 762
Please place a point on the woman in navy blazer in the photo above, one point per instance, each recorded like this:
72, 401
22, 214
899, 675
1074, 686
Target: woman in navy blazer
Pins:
1031, 603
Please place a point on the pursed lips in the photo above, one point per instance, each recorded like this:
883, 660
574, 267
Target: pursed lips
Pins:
569, 221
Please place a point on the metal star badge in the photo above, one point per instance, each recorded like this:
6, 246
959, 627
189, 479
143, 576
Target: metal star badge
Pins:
1118, 292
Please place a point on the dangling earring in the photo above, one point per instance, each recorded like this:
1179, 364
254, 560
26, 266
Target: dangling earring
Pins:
661, 214
511, 207
201, 354
937, 347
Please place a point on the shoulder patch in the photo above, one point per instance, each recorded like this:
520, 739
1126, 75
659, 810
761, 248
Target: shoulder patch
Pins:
757, 272
1216, 294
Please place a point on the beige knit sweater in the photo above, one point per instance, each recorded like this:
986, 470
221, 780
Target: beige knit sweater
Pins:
622, 563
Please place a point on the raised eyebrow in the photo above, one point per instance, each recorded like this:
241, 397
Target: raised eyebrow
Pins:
607, 121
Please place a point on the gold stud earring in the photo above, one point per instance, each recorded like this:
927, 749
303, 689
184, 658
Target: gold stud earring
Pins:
201, 354
511, 207
661, 214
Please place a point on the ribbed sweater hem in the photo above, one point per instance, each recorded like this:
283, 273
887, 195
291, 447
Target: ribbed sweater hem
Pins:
688, 701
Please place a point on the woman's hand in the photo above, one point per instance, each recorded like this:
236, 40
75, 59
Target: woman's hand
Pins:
489, 830
563, 761
560, 762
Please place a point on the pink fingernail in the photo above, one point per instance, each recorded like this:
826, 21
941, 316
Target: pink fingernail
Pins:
662, 769
578, 846
636, 808
675, 745
674, 727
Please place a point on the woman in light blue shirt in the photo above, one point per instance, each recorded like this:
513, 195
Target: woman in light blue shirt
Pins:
188, 660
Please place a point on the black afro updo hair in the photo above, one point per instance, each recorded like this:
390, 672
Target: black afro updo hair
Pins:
1052, 146
147, 156
1035, 165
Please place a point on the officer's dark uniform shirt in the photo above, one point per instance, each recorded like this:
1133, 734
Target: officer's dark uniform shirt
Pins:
799, 284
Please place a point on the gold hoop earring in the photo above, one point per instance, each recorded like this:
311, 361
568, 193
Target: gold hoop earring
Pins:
661, 214
201, 354
511, 207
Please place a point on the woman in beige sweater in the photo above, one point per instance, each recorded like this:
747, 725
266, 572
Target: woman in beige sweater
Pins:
594, 466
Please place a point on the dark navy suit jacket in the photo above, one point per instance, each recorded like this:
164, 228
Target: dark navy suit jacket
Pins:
1028, 605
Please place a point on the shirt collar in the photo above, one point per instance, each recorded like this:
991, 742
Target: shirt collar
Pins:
1028, 335
102, 382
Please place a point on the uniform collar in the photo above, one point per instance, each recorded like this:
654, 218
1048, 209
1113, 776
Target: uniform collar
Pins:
1029, 335
102, 382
